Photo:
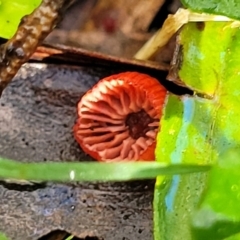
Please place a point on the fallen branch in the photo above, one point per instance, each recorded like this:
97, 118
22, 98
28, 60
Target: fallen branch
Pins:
31, 31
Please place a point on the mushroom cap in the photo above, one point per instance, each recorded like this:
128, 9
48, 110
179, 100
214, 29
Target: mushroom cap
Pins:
118, 119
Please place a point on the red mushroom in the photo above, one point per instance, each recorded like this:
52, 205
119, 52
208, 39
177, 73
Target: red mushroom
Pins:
119, 117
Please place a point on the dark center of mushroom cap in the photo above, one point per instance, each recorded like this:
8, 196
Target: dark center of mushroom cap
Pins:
138, 124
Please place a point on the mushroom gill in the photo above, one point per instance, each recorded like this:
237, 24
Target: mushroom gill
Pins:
119, 117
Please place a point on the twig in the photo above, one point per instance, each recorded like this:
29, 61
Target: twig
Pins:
32, 30
171, 25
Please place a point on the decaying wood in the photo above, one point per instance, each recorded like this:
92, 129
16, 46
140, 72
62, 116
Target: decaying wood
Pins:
81, 57
31, 32
115, 44
37, 113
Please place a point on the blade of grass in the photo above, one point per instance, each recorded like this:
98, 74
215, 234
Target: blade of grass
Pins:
91, 171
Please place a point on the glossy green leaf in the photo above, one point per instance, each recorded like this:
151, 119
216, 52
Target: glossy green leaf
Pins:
218, 215
197, 130
11, 12
183, 139
90, 171
230, 8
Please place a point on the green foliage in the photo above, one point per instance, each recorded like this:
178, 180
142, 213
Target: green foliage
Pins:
194, 133
230, 8
197, 130
11, 12
70, 237
218, 215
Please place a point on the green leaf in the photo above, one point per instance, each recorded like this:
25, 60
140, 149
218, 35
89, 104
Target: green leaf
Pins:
90, 171
183, 139
3, 237
197, 130
229, 8
70, 237
11, 12
218, 215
